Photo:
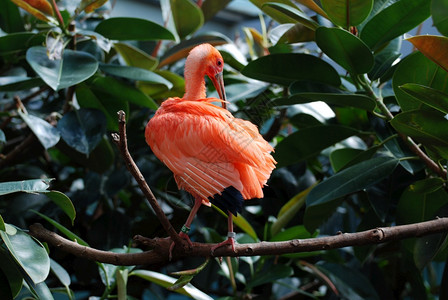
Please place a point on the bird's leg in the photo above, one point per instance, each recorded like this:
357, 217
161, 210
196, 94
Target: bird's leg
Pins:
230, 235
186, 227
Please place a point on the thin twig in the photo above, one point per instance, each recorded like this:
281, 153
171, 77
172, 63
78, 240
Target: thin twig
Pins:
121, 141
160, 255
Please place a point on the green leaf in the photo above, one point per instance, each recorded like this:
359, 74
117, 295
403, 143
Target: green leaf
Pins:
345, 49
41, 290
123, 29
167, 281
47, 135
28, 253
322, 199
83, 129
64, 203
18, 83
292, 233
63, 229
13, 280
350, 283
60, 273
135, 57
346, 157
393, 21
2, 224
439, 12
187, 17
428, 127
275, 14
286, 68
384, 60
27, 186
416, 68
17, 42
10, 18
73, 68
346, 13
303, 144
182, 49
289, 210
159, 91
211, 7
273, 273
135, 73
351, 100
294, 13
432, 97
186, 276
433, 47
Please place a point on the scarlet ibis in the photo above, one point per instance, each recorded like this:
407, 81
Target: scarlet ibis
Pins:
214, 156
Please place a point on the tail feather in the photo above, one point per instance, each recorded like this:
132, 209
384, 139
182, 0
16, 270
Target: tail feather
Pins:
229, 200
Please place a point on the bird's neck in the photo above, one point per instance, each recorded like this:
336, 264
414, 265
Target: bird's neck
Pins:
194, 81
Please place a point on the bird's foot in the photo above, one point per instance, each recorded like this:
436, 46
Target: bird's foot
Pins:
184, 235
230, 241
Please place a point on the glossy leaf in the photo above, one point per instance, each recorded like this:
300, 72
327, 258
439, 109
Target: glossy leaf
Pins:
303, 145
287, 68
17, 42
416, 68
182, 49
294, 13
123, 29
83, 129
167, 281
41, 9
384, 60
64, 203
29, 254
432, 97
27, 186
63, 229
291, 33
345, 49
351, 100
10, 18
47, 135
211, 7
134, 73
322, 199
439, 11
159, 91
313, 6
346, 13
135, 57
273, 13
343, 158
73, 68
428, 127
187, 17
393, 21
60, 273
433, 47
89, 5
273, 273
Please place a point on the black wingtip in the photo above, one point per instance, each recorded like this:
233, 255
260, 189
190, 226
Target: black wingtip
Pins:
229, 200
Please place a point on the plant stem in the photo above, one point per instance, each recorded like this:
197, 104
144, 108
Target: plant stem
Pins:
433, 166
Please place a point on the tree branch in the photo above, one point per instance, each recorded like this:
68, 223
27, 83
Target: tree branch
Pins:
161, 246
122, 144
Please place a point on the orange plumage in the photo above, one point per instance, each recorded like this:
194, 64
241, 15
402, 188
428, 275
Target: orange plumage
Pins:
207, 149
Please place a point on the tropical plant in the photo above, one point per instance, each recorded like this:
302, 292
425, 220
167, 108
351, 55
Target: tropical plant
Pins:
360, 135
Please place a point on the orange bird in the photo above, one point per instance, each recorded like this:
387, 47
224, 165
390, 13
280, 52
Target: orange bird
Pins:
214, 156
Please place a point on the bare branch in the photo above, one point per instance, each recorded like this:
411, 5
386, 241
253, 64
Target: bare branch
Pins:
121, 141
161, 246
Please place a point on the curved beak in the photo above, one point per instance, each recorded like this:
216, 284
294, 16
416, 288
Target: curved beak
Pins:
218, 82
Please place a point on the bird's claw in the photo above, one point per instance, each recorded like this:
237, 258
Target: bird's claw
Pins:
230, 241
184, 236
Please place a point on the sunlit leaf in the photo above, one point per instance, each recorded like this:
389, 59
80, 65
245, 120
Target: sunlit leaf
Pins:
345, 49
38, 8
29, 254
47, 135
73, 68
303, 144
278, 16
347, 13
432, 46
124, 29
393, 21
167, 281
313, 6
135, 57
187, 17
289, 67
294, 13
89, 5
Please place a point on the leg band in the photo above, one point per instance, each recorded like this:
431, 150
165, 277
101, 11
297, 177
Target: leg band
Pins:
231, 235
185, 229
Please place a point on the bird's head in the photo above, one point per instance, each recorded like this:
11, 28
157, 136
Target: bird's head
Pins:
210, 60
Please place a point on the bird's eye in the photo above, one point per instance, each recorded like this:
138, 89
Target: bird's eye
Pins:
219, 62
